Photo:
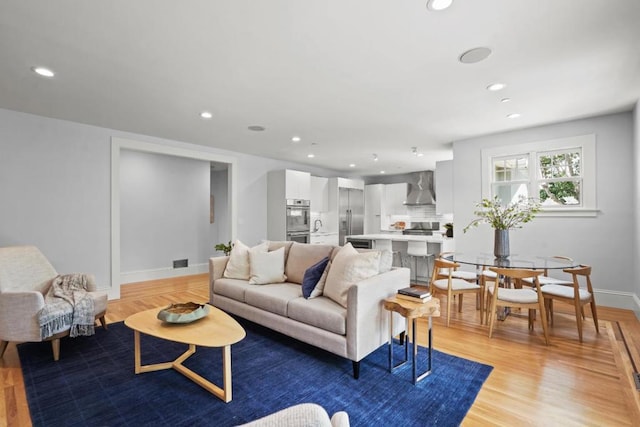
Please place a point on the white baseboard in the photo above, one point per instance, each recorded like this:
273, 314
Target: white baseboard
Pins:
616, 299
162, 273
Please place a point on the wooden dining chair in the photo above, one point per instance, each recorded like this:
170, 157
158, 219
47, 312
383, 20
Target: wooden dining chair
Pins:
573, 295
545, 279
525, 297
452, 286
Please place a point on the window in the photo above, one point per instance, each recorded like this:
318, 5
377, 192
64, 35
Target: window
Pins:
510, 178
560, 177
560, 173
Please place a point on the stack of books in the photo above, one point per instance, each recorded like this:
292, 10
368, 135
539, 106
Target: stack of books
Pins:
415, 293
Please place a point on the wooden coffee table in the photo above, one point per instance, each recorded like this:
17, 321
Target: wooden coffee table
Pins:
216, 329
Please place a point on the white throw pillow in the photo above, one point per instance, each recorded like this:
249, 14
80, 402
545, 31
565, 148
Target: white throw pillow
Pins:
238, 264
266, 267
349, 267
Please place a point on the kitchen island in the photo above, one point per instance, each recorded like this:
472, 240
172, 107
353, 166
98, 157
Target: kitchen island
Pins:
435, 245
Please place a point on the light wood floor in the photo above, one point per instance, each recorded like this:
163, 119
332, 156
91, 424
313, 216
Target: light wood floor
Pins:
566, 383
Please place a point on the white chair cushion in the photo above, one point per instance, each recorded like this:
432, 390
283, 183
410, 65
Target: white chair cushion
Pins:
546, 280
456, 284
466, 275
523, 296
459, 274
489, 273
565, 292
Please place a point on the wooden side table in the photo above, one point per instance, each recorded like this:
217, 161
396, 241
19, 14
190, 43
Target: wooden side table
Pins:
411, 311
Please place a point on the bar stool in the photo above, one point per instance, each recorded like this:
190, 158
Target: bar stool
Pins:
418, 249
386, 245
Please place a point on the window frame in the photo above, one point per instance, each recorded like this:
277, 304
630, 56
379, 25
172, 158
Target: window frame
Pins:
587, 145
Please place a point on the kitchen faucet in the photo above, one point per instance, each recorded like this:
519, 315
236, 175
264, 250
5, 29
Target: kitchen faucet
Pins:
316, 227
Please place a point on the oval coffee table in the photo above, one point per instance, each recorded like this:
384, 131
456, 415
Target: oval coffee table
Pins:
216, 329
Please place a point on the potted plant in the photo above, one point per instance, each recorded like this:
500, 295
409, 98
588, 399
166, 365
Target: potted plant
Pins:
449, 227
224, 247
503, 218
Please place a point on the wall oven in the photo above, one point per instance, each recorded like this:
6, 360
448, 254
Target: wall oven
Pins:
300, 237
298, 216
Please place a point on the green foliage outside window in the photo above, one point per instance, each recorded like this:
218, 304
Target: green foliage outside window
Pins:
560, 177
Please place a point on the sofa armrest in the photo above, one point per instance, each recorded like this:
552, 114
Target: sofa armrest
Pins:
367, 321
303, 414
216, 269
19, 315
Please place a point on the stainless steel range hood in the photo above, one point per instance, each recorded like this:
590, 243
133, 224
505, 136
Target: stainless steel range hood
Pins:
421, 189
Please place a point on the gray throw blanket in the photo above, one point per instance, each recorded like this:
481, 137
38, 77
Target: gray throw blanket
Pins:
67, 306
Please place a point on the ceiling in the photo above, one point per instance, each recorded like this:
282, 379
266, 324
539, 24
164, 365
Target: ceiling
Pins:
349, 77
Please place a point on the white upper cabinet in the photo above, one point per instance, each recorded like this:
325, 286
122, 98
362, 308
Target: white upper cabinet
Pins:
297, 184
395, 195
319, 194
373, 194
444, 187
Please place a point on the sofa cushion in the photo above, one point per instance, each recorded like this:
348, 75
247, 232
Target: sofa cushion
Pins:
348, 267
322, 313
231, 288
266, 267
312, 276
277, 244
274, 297
303, 256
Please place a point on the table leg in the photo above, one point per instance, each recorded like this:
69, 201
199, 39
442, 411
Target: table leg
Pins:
392, 367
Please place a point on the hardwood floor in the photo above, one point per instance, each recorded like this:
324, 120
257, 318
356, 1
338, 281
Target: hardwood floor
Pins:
567, 383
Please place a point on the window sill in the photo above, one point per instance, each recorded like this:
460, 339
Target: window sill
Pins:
568, 212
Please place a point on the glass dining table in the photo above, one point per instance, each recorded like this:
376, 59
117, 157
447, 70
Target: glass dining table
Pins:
483, 261
533, 262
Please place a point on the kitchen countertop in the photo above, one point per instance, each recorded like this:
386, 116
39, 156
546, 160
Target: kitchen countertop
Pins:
400, 237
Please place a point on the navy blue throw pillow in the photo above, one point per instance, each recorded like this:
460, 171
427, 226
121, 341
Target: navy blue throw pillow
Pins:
312, 275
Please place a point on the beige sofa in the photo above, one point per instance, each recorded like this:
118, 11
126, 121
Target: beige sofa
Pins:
352, 332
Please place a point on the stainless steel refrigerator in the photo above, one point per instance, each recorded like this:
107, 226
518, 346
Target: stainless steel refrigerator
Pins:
350, 213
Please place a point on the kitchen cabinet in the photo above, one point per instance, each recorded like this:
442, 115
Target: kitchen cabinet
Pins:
297, 184
373, 194
324, 239
283, 185
444, 187
319, 194
395, 196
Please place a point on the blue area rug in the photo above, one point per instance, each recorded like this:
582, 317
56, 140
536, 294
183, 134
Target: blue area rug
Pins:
93, 383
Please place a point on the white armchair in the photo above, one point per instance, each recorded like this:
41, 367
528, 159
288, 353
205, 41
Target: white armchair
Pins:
25, 275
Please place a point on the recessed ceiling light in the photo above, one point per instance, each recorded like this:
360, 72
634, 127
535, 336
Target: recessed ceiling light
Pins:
206, 115
295, 139
475, 55
375, 157
42, 71
496, 86
382, 172
311, 155
505, 100
438, 4
352, 165
513, 116
256, 128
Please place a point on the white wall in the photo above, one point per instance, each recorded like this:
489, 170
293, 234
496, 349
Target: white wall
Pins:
603, 241
220, 231
55, 188
164, 211
636, 232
